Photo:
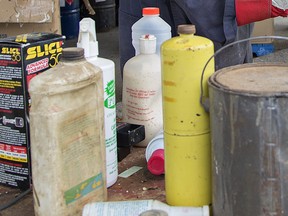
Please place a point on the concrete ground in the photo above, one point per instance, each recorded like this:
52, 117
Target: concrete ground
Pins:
281, 46
109, 48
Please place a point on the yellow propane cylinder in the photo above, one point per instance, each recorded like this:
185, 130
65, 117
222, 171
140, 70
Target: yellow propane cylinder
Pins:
186, 124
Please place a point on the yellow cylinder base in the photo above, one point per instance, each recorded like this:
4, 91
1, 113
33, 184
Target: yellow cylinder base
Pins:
188, 170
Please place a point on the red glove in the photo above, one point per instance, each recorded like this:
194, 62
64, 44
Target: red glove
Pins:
278, 12
249, 11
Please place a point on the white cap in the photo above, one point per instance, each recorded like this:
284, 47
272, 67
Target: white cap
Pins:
147, 44
87, 37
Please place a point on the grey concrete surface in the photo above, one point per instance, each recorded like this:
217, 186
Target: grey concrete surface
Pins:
281, 46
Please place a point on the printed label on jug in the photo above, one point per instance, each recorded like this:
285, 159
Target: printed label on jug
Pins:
83, 188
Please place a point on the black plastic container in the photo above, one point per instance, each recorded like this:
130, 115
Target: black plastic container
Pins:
105, 14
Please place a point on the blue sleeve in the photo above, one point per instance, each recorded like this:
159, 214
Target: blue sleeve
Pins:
229, 21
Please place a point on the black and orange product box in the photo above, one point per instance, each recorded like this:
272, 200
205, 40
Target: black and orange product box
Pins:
21, 58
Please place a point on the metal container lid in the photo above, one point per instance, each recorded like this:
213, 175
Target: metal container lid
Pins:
254, 78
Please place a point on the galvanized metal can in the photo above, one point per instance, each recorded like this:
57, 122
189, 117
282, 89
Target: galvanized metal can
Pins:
249, 131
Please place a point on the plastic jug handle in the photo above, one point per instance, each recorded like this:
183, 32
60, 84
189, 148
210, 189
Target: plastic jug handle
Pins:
204, 101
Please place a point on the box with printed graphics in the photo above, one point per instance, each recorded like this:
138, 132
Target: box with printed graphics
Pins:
21, 58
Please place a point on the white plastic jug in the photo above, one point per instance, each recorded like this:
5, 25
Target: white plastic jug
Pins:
142, 94
151, 23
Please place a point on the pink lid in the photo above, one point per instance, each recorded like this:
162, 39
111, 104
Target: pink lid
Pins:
156, 162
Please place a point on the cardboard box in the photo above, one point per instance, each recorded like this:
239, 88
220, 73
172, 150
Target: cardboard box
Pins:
263, 28
26, 16
21, 58
27, 11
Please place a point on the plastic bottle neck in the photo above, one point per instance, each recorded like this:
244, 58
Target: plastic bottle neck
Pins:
147, 44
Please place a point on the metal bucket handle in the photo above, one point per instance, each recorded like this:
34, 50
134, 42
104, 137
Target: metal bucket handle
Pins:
204, 101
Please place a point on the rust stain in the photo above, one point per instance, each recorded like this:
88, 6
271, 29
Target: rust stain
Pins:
193, 49
168, 99
169, 62
169, 83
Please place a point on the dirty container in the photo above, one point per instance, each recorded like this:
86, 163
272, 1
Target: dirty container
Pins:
186, 124
70, 17
142, 94
67, 137
249, 130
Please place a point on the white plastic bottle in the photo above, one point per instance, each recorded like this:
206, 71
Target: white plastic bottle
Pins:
136, 207
142, 94
87, 40
151, 23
